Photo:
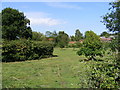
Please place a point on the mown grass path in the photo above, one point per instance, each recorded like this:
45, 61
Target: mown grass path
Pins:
64, 71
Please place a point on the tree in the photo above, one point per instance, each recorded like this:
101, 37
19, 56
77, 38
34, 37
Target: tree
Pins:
37, 36
105, 34
15, 25
92, 46
72, 38
112, 19
52, 35
78, 35
55, 37
48, 34
112, 22
63, 39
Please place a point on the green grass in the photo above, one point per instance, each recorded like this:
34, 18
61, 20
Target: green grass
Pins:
64, 71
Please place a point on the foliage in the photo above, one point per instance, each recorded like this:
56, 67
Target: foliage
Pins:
37, 36
70, 45
72, 38
112, 22
52, 35
78, 35
79, 44
105, 34
112, 19
75, 45
48, 34
92, 45
25, 50
15, 25
105, 74
63, 39
114, 45
42, 49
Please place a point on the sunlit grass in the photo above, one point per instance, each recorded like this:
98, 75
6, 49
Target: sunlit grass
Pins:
63, 71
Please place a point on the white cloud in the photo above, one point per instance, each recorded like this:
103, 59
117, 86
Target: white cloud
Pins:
63, 5
44, 21
41, 18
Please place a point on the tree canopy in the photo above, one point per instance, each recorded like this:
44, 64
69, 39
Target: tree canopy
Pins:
78, 35
92, 46
105, 34
112, 19
112, 22
37, 36
15, 25
63, 39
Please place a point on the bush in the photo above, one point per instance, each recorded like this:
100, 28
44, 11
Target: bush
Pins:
41, 49
21, 50
105, 74
75, 45
78, 44
71, 45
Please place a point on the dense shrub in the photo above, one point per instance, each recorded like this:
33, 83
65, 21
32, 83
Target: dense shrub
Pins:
105, 75
75, 45
41, 49
70, 45
21, 50
92, 46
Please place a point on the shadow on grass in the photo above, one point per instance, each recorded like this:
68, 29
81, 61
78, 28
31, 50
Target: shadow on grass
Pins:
81, 60
54, 55
42, 57
47, 56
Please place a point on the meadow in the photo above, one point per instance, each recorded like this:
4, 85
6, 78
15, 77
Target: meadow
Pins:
65, 70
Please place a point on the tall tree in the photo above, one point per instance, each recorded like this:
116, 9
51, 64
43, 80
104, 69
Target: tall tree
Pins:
63, 39
72, 38
92, 46
112, 22
112, 19
78, 35
105, 34
15, 25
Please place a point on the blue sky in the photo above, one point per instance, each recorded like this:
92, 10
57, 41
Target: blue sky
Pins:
59, 16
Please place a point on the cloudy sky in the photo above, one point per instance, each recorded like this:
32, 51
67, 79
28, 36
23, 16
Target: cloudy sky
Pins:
67, 16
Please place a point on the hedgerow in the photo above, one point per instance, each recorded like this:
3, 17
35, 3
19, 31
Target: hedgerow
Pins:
21, 50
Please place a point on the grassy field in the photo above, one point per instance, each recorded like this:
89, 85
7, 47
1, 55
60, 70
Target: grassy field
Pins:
63, 71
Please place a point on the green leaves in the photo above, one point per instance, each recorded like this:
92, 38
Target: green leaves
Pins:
25, 50
104, 75
112, 19
37, 36
15, 25
63, 39
78, 35
92, 45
